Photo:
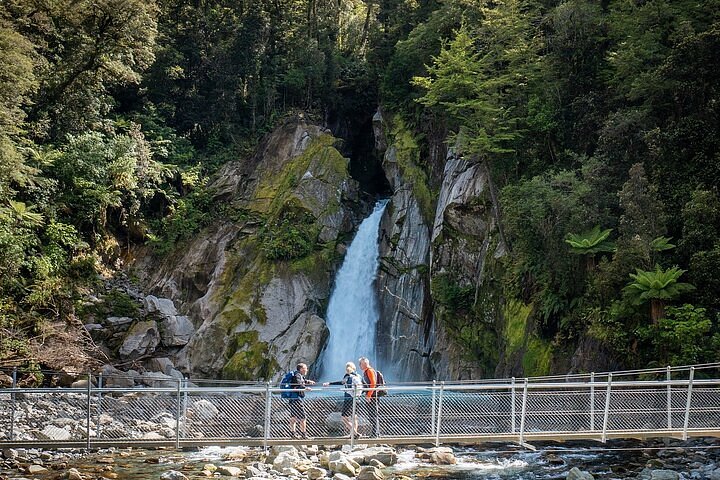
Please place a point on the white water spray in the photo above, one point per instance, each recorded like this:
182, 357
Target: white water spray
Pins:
352, 313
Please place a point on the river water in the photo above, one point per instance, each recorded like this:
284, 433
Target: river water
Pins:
697, 460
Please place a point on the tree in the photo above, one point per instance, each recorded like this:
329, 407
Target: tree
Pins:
91, 47
478, 79
589, 243
656, 286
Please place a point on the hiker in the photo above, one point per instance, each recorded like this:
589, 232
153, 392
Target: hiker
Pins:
298, 383
371, 398
352, 386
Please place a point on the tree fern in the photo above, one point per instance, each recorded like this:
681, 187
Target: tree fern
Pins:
656, 286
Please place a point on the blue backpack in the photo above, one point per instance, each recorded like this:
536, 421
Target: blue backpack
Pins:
287, 386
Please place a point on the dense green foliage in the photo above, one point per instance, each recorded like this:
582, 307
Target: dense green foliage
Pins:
598, 120
592, 114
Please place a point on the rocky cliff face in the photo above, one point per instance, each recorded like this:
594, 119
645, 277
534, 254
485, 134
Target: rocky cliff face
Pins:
256, 302
402, 283
430, 250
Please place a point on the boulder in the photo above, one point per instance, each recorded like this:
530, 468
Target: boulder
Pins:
35, 469
370, 473
117, 323
384, 455
313, 473
664, 475
114, 378
286, 459
158, 380
73, 474
160, 364
345, 466
276, 450
51, 432
164, 306
176, 331
141, 339
229, 471
443, 458
205, 410
577, 474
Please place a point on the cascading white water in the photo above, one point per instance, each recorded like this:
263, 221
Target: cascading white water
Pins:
352, 313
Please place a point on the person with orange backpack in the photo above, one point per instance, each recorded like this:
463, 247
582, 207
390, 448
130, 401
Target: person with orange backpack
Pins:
372, 380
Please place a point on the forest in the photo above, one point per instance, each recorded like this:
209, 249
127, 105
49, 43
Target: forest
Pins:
599, 120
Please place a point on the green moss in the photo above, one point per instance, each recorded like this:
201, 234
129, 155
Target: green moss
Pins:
250, 359
408, 159
516, 315
538, 357
274, 189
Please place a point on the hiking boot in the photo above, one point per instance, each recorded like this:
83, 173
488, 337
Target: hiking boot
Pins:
304, 436
295, 435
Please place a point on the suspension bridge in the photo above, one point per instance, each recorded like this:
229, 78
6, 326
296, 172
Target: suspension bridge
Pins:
675, 402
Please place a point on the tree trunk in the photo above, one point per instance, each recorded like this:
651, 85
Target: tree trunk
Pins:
657, 310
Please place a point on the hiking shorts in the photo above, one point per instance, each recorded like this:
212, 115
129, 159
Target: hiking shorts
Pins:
347, 407
297, 409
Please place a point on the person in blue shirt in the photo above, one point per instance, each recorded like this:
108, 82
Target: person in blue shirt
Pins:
297, 405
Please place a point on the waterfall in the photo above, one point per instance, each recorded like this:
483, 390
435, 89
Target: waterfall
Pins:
352, 313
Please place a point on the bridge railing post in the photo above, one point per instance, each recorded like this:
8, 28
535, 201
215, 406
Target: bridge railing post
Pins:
432, 407
178, 407
606, 415
512, 405
523, 412
438, 421
12, 406
185, 407
687, 404
668, 377
268, 416
592, 401
353, 419
99, 406
88, 405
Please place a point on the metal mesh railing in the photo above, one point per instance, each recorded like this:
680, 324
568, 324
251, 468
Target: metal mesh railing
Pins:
589, 407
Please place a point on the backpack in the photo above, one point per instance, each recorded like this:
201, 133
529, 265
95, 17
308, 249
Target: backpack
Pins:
287, 385
380, 384
355, 384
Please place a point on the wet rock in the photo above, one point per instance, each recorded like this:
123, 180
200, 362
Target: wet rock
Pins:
10, 453
577, 474
664, 475
376, 463
313, 473
340, 476
35, 469
344, 465
384, 455
370, 473
443, 458
229, 471
73, 474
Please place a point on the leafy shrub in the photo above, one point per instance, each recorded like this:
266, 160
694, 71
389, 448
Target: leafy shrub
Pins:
293, 234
